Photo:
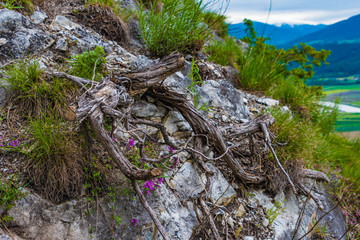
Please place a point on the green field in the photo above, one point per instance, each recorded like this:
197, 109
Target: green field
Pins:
350, 95
348, 122
331, 89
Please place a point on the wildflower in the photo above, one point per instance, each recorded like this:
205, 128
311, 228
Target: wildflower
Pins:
170, 149
134, 221
131, 143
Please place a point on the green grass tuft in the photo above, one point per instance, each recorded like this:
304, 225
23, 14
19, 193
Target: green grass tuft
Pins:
89, 64
178, 27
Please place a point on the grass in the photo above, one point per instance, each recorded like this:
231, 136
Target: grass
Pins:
178, 27
225, 52
10, 191
18, 4
113, 5
217, 23
32, 89
89, 65
54, 157
316, 144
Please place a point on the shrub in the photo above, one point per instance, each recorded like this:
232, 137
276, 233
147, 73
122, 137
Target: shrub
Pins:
178, 27
32, 89
54, 158
89, 64
225, 52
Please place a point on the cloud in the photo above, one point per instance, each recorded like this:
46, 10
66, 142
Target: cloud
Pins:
300, 16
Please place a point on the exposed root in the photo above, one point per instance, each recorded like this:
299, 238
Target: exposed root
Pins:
315, 175
268, 142
307, 191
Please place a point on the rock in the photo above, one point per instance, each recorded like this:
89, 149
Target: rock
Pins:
22, 37
3, 41
63, 23
249, 238
38, 17
189, 183
265, 222
144, 109
39, 219
10, 21
61, 44
267, 101
224, 118
240, 211
223, 95
175, 122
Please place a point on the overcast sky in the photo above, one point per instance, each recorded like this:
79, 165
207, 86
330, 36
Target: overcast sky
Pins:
293, 11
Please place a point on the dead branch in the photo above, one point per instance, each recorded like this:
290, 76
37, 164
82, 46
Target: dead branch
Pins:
210, 219
268, 142
298, 221
167, 66
149, 209
315, 175
308, 191
200, 125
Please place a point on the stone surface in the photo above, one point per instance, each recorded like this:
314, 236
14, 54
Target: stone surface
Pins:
3, 41
284, 224
189, 182
61, 44
175, 122
38, 17
221, 94
22, 37
268, 101
63, 23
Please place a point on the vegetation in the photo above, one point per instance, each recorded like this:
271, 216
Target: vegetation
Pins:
89, 64
18, 4
225, 52
33, 89
10, 191
216, 22
179, 26
196, 81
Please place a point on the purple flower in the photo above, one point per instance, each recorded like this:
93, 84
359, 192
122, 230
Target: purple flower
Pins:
14, 143
170, 149
131, 143
134, 221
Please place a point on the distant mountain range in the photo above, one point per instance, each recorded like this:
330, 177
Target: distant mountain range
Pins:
278, 34
342, 38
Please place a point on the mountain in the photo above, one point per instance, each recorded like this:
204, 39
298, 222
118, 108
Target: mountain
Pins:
346, 31
343, 39
278, 34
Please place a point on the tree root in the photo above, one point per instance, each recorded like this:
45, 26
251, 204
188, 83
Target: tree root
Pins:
315, 175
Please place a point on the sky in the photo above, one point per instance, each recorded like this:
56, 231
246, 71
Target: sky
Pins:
292, 11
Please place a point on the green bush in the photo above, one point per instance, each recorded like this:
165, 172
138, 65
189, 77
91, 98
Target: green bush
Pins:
89, 64
178, 27
54, 157
18, 4
225, 52
31, 87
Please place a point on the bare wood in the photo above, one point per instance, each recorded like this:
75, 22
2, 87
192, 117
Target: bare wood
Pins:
308, 191
200, 125
74, 79
210, 219
128, 169
268, 142
167, 66
252, 126
149, 210
315, 175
